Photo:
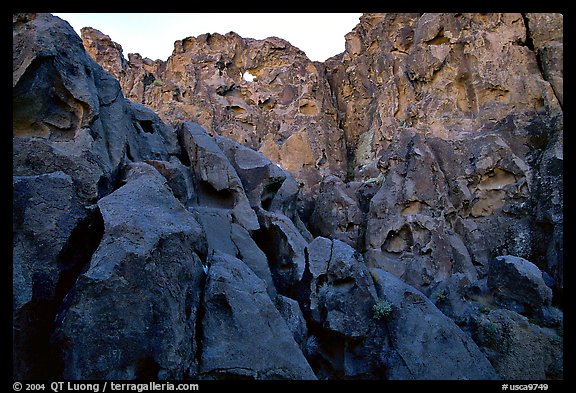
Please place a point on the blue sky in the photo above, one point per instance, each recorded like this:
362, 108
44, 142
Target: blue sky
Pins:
152, 35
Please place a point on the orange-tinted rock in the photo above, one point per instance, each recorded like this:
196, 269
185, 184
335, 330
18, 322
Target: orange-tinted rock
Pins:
471, 99
265, 94
443, 74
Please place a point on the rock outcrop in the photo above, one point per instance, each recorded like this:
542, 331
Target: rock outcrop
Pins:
244, 335
265, 94
451, 116
117, 218
135, 307
240, 212
421, 336
72, 133
455, 118
506, 336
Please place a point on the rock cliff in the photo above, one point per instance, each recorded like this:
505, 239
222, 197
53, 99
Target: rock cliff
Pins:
240, 212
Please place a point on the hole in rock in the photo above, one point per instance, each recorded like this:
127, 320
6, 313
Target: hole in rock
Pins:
248, 77
148, 80
268, 194
211, 197
147, 369
147, 126
398, 241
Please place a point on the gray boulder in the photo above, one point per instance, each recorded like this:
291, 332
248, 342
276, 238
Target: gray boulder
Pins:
517, 348
267, 186
252, 256
284, 246
132, 314
227, 237
260, 177
53, 237
341, 289
215, 179
243, 334
70, 115
337, 295
155, 140
290, 311
179, 179
425, 344
517, 285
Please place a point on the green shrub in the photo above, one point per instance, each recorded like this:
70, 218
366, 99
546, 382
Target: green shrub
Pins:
490, 335
485, 309
441, 297
382, 309
157, 82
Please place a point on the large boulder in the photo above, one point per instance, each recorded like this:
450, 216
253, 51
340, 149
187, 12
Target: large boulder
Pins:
425, 344
337, 295
517, 348
267, 186
517, 285
292, 314
260, 176
53, 238
243, 334
284, 246
215, 178
341, 291
132, 314
227, 237
70, 115
179, 179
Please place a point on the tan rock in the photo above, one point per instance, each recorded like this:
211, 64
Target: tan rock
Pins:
547, 34
444, 114
262, 93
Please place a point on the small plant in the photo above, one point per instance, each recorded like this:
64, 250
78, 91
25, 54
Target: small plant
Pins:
441, 297
382, 309
484, 309
312, 345
157, 82
490, 333
535, 321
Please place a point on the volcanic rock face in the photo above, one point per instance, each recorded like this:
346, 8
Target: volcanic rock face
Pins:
284, 219
264, 94
452, 116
